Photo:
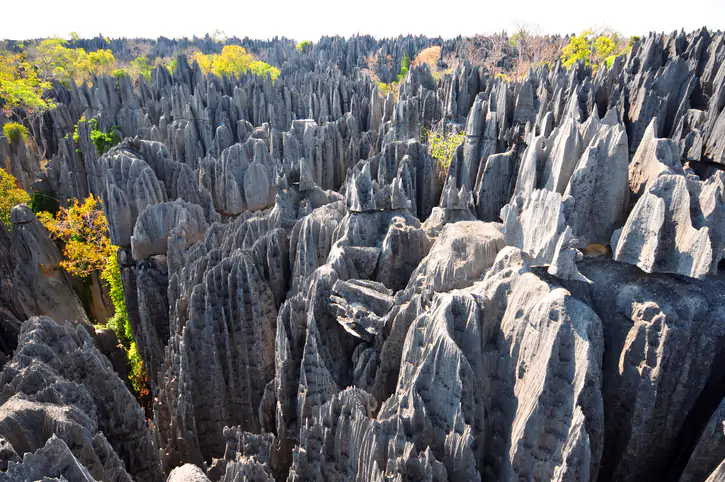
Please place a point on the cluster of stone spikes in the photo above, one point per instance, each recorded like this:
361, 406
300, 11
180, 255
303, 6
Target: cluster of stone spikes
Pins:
314, 296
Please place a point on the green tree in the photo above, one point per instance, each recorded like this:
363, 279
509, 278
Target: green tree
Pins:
142, 66
304, 46
592, 48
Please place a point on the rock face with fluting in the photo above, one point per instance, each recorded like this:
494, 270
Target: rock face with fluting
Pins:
59, 385
43, 287
316, 295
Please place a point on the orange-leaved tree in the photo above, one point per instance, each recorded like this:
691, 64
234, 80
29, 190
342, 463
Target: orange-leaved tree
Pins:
82, 228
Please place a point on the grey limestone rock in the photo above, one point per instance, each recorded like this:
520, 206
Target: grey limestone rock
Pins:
662, 342
403, 248
361, 306
675, 227
43, 287
59, 383
7, 454
54, 459
187, 473
191, 415
461, 255
710, 449
653, 158
311, 241
296, 263
527, 323
157, 222
597, 195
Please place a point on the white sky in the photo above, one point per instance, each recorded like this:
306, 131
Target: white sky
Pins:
305, 19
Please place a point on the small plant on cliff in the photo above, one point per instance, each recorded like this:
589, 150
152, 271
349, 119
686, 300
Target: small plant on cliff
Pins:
103, 140
15, 131
443, 146
304, 46
41, 202
404, 68
10, 196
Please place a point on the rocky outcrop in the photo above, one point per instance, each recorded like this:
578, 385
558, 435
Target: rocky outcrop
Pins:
62, 400
663, 340
315, 297
676, 227
43, 287
709, 452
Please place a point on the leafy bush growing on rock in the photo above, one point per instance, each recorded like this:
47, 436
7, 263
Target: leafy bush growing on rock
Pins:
10, 195
443, 146
592, 48
304, 46
103, 141
15, 131
41, 202
404, 68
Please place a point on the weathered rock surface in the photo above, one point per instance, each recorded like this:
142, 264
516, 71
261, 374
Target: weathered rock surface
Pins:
59, 385
43, 288
315, 297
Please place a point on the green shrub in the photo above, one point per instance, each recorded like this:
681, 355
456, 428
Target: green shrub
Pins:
10, 195
142, 66
43, 202
304, 46
119, 323
121, 326
404, 68
137, 372
442, 147
103, 140
118, 73
15, 131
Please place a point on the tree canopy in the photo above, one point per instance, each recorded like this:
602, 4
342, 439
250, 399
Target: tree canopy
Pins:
234, 59
592, 48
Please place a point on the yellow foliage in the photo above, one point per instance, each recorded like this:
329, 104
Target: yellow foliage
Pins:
234, 59
84, 230
10, 196
443, 146
428, 56
591, 48
20, 85
52, 60
101, 62
503, 76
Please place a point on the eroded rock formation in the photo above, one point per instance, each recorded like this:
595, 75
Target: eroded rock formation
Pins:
315, 297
